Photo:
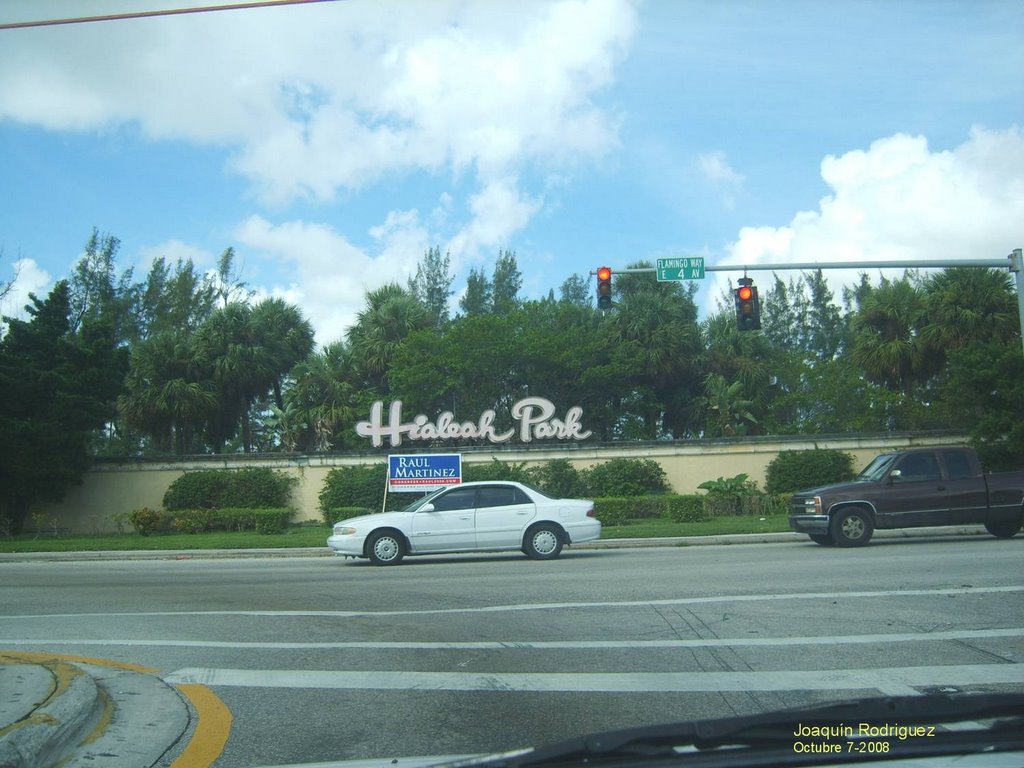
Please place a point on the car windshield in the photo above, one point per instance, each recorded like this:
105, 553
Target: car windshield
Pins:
656, 294
878, 469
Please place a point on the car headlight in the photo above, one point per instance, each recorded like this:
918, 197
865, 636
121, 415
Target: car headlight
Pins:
343, 530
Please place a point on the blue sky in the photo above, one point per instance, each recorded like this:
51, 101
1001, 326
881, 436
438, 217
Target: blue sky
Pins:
331, 144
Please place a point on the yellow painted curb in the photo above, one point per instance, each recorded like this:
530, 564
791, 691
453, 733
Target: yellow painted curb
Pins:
31, 657
212, 729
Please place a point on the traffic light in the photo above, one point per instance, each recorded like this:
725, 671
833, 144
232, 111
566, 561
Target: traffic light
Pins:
604, 288
748, 306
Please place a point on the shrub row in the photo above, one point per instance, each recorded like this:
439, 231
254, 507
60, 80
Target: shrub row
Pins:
363, 485
690, 508
253, 488
274, 520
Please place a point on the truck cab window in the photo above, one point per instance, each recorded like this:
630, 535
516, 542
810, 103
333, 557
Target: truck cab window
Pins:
919, 467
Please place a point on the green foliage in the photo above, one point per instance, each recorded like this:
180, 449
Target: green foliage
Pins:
356, 486
558, 478
800, 470
739, 485
253, 488
334, 514
496, 469
624, 477
266, 521
146, 521
689, 508
58, 382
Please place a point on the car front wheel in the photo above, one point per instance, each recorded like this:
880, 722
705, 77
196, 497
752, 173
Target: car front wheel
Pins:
825, 539
385, 548
852, 527
543, 542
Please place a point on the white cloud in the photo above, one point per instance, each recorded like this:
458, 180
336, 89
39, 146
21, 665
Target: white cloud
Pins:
317, 98
330, 275
26, 277
898, 200
715, 168
499, 211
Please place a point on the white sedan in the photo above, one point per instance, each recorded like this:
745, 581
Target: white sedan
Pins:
471, 517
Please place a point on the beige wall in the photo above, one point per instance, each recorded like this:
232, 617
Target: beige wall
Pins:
109, 489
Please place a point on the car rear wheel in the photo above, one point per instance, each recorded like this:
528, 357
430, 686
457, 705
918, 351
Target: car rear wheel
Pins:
543, 542
852, 527
385, 548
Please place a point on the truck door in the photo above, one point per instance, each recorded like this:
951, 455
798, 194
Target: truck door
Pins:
968, 496
918, 495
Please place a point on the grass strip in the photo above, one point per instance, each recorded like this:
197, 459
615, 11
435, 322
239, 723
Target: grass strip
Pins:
316, 536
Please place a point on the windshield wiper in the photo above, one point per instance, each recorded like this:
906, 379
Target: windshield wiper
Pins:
863, 729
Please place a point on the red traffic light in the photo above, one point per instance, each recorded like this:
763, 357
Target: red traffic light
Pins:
745, 293
604, 288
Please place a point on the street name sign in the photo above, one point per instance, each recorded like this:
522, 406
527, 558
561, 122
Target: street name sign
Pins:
684, 268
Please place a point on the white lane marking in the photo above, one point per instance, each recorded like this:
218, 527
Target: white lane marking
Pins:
713, 599
885, 679
544, 645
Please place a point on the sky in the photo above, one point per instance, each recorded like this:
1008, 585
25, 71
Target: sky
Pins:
331, 144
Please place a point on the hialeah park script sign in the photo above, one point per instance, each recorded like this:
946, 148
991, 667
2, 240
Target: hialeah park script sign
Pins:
535, 415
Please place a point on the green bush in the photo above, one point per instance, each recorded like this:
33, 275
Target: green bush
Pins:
497, 470
253, 488
624, 477
617, 510
146, 521
361, 486
799, 470
233, 519
687, 509
558, 478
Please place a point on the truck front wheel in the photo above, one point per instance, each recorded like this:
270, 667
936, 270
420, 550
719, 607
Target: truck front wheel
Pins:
852, 527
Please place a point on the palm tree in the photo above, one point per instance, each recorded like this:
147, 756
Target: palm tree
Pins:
322, 398
888, 342
170, 395
391, 314
286, 336
728, 410
967, 304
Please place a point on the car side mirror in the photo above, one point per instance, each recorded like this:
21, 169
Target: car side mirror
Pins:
895, 475
427, 508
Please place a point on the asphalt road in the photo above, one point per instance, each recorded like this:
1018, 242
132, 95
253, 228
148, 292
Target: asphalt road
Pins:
324, 659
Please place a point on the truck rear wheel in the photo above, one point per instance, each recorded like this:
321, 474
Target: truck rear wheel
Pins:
1004, 529
852, 527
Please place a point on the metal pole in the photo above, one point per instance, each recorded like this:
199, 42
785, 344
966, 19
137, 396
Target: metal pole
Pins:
1017, 267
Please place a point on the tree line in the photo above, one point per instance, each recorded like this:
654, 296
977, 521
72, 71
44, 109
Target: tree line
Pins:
188, 362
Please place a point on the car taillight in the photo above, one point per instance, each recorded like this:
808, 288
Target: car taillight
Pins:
590, 512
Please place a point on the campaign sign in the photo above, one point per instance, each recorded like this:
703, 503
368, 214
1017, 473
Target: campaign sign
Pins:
424, 472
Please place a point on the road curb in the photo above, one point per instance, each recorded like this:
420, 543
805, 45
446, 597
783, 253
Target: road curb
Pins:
49, 732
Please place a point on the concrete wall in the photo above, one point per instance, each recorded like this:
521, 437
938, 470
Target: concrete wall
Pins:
118, 488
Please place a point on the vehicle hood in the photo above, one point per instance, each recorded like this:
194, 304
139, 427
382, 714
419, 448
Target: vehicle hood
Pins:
377, 518
833, 488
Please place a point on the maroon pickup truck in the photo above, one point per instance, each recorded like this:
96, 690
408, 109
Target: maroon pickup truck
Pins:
910, 489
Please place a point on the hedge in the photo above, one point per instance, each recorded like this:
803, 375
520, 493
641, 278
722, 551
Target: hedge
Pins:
234, 519
253, 488
793, 471
334, 514
689, 508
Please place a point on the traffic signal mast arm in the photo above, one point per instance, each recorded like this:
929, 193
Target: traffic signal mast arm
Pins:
1015, 265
